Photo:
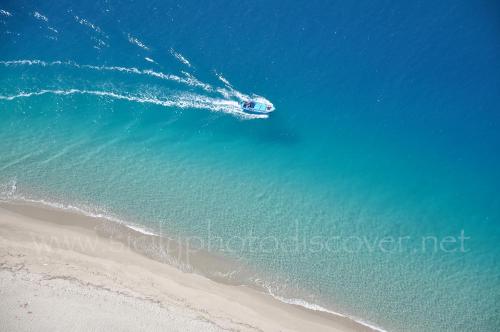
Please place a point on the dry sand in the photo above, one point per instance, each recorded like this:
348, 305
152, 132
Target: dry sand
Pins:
58, 273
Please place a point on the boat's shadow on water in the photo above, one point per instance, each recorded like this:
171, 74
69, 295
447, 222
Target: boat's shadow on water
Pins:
273, 130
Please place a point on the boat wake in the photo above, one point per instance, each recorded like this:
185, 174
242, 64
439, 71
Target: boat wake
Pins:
230, 92
188, 80
183, 101
227, 98
229, 103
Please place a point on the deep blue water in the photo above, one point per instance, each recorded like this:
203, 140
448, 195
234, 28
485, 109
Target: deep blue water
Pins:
386, 125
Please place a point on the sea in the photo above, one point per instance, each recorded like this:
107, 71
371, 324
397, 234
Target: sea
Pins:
370, 191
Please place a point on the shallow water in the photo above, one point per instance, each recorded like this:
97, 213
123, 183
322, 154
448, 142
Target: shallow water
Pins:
386, 127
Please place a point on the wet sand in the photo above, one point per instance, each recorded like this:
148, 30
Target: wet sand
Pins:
60, 270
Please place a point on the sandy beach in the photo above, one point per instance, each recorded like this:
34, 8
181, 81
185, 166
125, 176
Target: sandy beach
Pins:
49, 280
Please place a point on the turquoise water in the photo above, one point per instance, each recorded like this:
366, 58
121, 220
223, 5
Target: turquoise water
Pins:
386, 127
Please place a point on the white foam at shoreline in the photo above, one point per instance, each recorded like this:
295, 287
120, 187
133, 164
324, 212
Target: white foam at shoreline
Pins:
12, 196
316, 307
141, 230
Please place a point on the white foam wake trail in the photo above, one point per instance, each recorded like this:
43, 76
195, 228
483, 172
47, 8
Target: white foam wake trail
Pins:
24, 62
229, 92
183, 101
189, 80
88, 24
40, 17
44, 19
223, 79
194, 81
100, 43
5, 13
137, 42
180, 57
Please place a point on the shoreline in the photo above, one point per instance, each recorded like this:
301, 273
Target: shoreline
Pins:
50, 227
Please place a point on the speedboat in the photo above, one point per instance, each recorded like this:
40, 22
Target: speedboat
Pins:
252, 106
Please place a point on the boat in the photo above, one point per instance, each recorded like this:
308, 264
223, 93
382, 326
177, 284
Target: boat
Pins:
252, 106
